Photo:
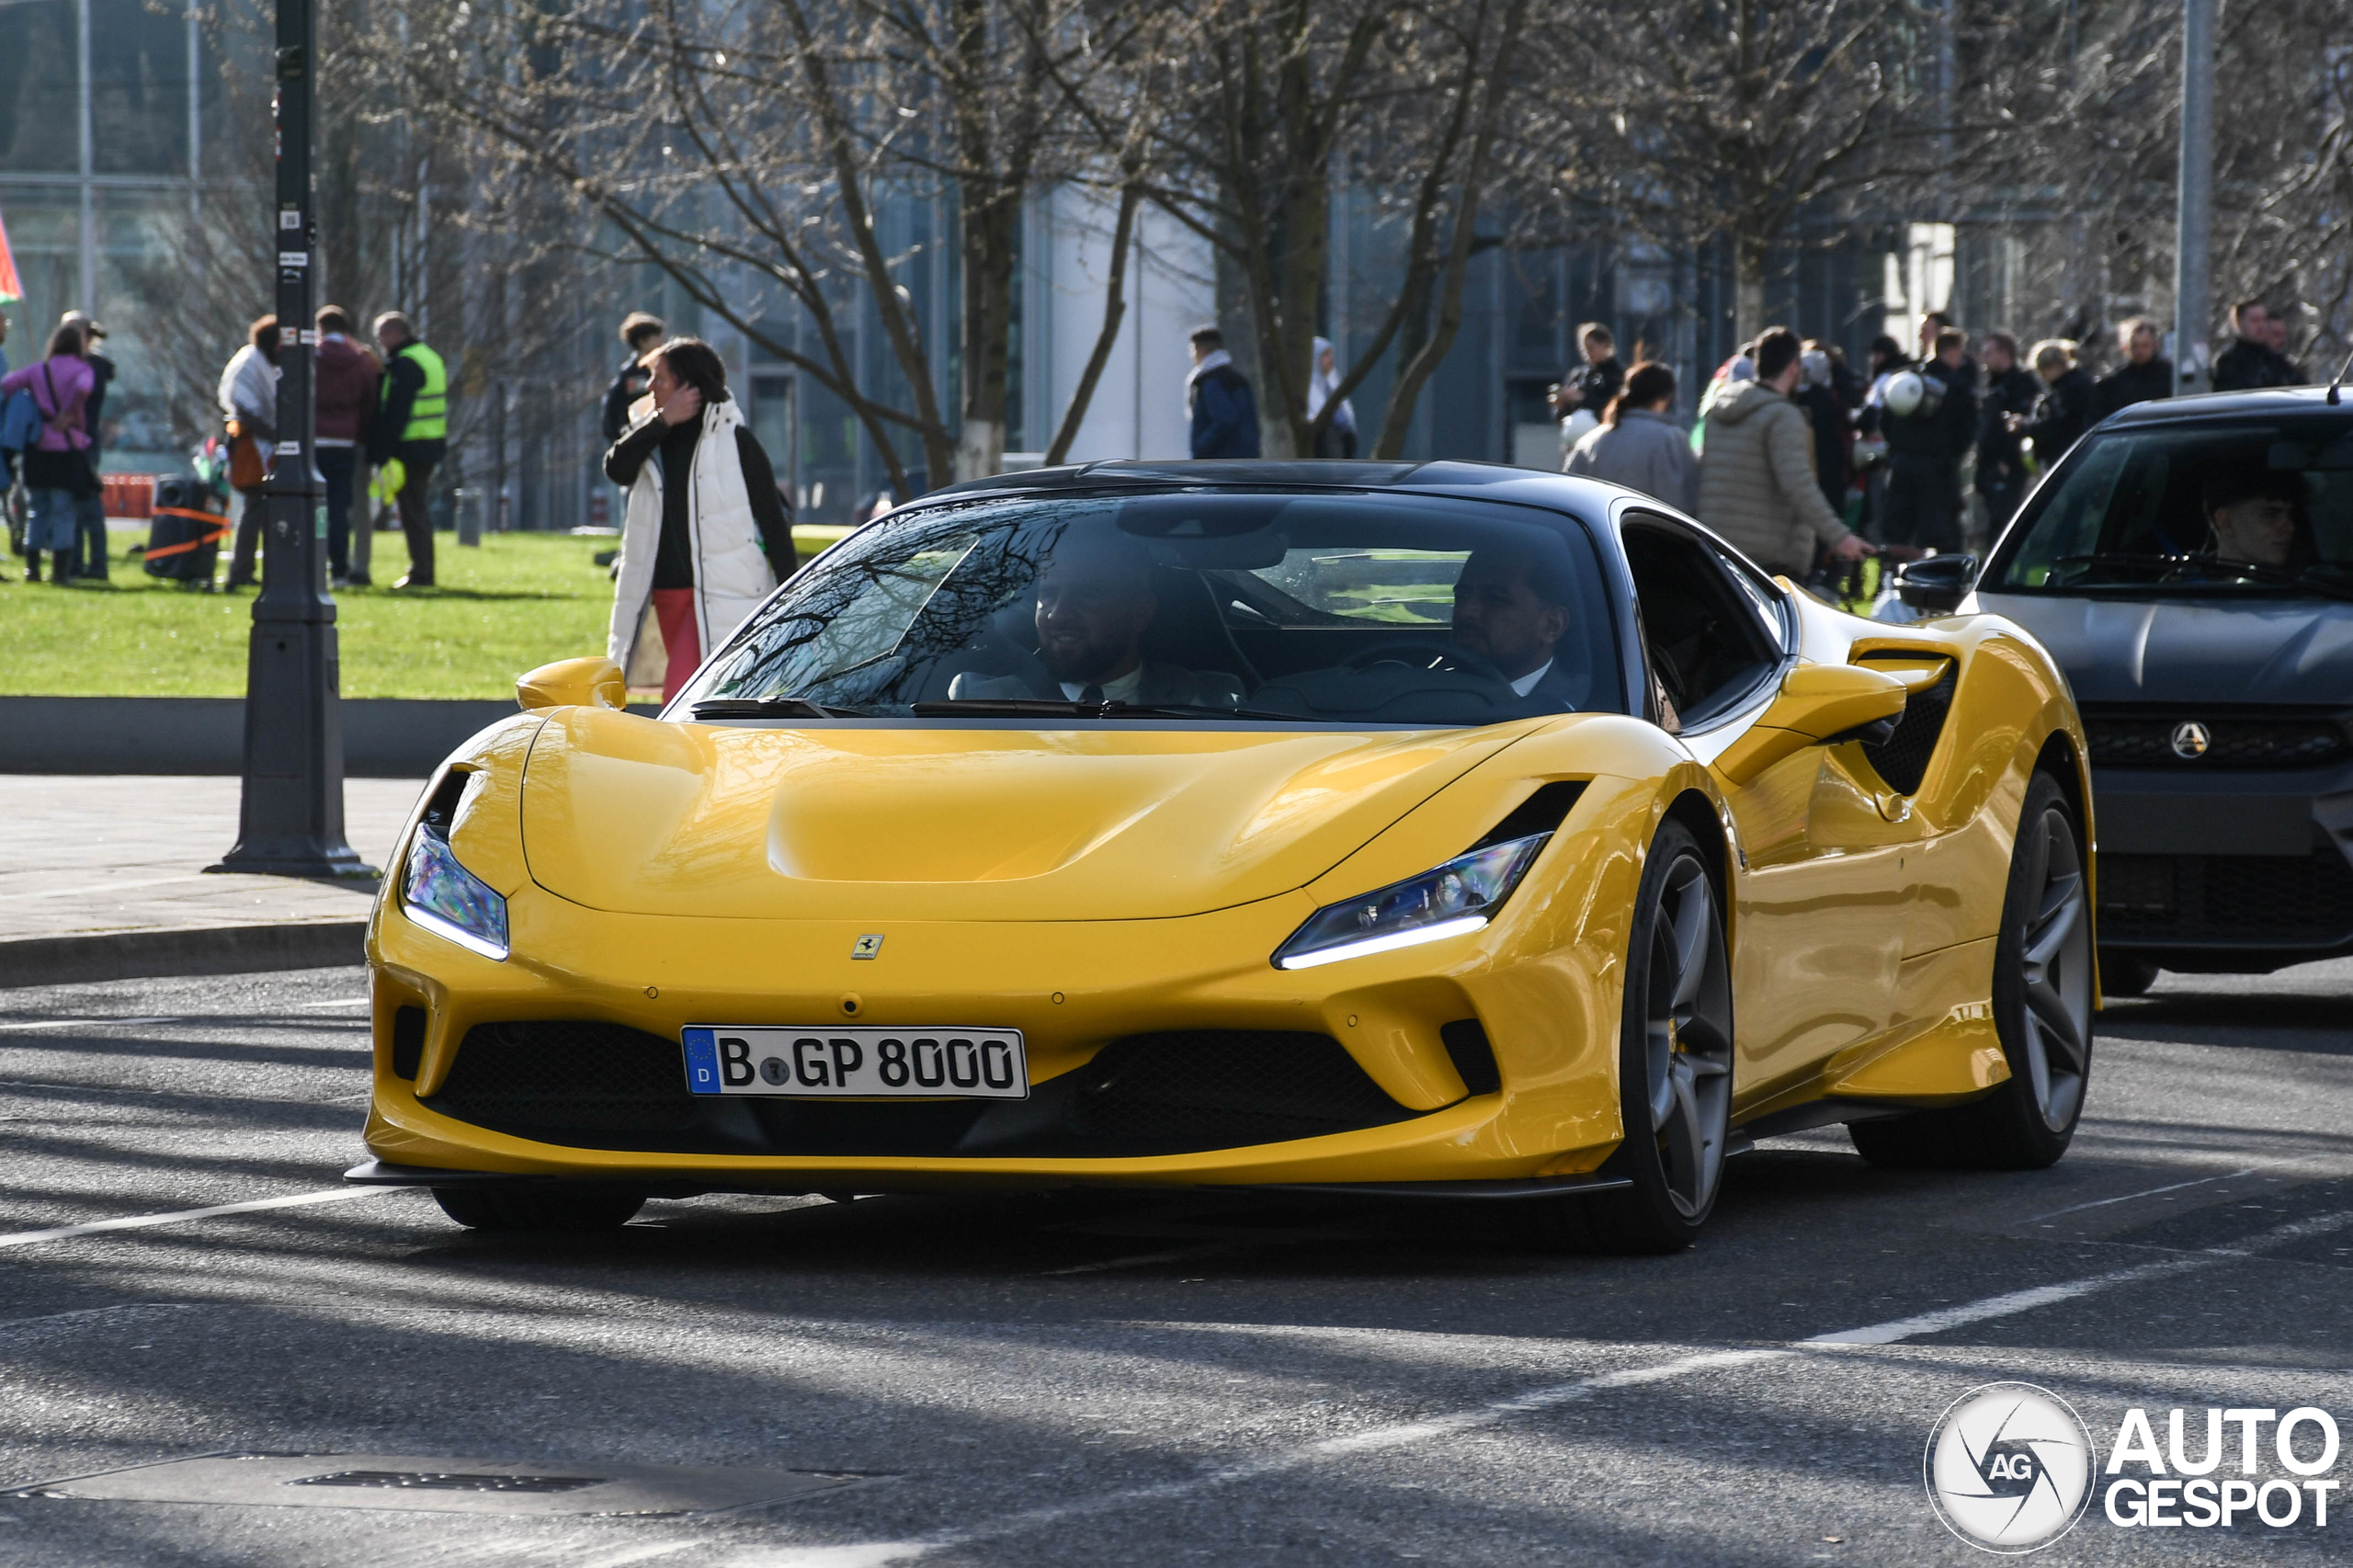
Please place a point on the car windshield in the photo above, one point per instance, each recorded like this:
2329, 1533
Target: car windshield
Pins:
2263, 508
1317, 608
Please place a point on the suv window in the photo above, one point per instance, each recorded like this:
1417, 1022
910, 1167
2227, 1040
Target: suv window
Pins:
2263, 507
1704, 625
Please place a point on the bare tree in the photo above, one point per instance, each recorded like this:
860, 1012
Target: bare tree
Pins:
1686, 120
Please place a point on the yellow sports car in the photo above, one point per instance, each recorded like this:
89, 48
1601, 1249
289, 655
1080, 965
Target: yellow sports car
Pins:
1441, 830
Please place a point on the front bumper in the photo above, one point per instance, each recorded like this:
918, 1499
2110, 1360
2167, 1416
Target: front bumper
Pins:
2226, 868
1543, 990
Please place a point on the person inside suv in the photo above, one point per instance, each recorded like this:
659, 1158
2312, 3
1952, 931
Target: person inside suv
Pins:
2254, 516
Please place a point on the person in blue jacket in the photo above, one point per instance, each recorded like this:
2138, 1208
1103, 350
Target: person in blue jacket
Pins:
1226, 414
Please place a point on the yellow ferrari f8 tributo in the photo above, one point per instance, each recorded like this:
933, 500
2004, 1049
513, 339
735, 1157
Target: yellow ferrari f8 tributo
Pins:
1440, 829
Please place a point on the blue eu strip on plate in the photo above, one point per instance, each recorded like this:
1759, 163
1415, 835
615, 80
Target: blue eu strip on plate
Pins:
702, 1061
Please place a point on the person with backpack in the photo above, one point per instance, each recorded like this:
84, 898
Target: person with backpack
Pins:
411, 423
90, 509
1224, 411
248, 397
57, 464
1929, 417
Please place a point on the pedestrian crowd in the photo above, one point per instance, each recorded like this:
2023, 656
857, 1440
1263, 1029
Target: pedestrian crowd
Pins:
1807, 465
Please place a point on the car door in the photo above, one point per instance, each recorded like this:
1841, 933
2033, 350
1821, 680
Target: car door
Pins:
1822, 909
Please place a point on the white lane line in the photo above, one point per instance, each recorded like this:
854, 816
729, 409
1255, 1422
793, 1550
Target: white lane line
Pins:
2017, 1302
2151, 1192
338, 1002
173, 1019
180, 1216
879, 1554
1139, 1259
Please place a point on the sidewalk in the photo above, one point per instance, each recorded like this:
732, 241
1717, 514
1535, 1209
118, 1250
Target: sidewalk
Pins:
102, 878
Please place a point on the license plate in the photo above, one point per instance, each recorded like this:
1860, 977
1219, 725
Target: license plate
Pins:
860, 1063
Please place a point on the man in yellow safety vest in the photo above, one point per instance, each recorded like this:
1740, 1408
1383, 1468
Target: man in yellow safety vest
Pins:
411, 423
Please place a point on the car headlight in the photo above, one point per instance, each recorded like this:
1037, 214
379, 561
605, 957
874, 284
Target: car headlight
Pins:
450, 901
1461, 895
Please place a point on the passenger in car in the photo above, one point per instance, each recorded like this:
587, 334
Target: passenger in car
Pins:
1511, 610
2254, 514
1095, 601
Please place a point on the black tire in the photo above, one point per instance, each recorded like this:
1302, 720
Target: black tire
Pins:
1675, 1065
2042, 990
2126, 974
548, 1208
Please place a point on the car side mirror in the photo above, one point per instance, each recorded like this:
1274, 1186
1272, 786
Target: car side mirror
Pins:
573, 683
1937, 584
1818, 704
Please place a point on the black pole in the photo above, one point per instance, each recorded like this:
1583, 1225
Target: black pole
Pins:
292, 821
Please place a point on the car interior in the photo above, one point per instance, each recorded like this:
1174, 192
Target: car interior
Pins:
1705, 628
1318, 606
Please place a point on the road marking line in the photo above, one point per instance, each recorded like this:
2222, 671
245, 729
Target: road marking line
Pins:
1139, 1259
146, 1222
338, 1002
2151, 1192
879, 1554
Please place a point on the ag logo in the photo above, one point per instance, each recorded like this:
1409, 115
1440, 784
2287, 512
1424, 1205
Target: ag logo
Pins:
868, 947
2190, 739
2009, 1468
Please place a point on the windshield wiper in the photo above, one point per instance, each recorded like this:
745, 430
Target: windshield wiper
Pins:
769, 708
1020, 707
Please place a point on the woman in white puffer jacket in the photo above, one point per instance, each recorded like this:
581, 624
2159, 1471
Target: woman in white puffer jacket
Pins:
705, 537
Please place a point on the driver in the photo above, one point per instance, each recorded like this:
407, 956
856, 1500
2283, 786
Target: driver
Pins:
2253, 513
1512, 609
1095, 601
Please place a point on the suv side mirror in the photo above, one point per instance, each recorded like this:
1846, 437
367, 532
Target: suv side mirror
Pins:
1937, 584
573, 683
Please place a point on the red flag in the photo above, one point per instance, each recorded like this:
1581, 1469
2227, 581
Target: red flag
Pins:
11, 290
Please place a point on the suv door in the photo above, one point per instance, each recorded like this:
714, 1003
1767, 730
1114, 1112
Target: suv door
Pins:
1822, 912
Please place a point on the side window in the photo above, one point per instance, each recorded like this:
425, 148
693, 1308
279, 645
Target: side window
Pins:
1704, 628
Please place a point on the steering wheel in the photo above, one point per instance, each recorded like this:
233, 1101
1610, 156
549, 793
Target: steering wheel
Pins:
1423, 656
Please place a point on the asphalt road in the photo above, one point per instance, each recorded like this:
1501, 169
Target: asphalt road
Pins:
1132, 1379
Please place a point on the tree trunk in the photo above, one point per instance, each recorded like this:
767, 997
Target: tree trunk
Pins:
1749, 252
1415, 372
991, 220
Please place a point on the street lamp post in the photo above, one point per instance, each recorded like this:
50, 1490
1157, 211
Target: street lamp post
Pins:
2194, 211
292, 820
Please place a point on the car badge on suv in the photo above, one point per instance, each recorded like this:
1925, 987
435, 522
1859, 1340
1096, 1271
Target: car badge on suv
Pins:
871, 947
2190, 739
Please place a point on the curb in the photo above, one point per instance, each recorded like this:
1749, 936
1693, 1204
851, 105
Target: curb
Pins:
180, 950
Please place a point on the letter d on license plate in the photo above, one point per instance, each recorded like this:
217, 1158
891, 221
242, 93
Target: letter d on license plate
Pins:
830, 1063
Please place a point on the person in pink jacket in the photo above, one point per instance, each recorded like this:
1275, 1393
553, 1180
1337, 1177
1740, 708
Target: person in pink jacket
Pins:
57, 467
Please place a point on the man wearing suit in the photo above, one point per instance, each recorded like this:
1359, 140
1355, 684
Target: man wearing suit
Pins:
1510, 609
1095, 601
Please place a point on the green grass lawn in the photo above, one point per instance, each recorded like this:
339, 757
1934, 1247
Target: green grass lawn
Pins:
517, 601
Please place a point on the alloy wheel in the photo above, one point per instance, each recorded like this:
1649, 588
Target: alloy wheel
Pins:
1688, 1036
2056, 947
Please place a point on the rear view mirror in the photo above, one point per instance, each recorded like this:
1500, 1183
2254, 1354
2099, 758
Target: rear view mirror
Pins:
1937, 584
573, 683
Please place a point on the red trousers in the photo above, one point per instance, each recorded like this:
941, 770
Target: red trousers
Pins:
675, 610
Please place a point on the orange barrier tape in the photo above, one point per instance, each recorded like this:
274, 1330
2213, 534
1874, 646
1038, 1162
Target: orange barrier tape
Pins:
220, 531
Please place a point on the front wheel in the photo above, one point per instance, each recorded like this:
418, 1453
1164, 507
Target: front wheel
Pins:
539, 1208
2042, 1011
2126, 974
1674, 1064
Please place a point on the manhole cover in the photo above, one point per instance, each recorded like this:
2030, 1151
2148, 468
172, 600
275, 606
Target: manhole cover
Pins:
440, 1485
